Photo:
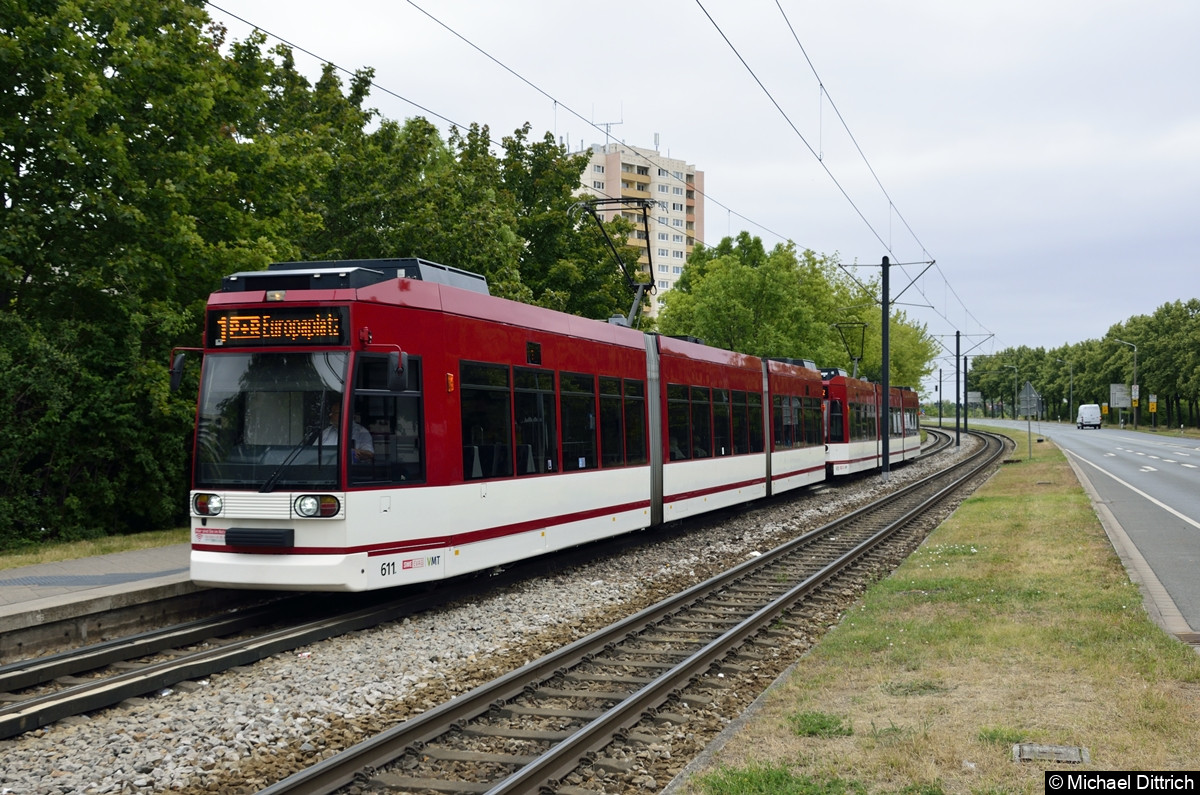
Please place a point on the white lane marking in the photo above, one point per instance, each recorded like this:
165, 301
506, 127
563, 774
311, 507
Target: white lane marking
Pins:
1138, 491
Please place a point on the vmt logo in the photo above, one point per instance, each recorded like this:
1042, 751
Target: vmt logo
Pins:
420, 563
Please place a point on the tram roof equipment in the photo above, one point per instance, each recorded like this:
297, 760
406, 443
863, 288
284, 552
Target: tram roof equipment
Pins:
338, 274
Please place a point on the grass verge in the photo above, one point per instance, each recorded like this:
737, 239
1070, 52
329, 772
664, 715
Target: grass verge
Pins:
52, 553
1014, 622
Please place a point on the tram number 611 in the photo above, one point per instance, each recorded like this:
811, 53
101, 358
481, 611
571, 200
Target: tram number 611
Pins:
387, 569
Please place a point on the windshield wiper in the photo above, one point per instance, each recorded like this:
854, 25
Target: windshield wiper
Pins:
269, 486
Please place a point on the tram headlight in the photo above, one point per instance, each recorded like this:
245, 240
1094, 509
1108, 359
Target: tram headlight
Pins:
208, 504
314, 505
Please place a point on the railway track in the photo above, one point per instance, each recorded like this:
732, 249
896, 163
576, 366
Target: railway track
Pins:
586, 718
38, 692
101, 675
937, 441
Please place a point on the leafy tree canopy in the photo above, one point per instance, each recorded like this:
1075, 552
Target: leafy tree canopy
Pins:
1168, 367
142, 158
785, 303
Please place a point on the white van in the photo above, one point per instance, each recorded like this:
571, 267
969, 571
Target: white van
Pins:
1089, 416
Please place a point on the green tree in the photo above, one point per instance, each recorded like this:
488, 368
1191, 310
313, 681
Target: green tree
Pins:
132, 177
781, 303
750, 305
565, 263
142, 158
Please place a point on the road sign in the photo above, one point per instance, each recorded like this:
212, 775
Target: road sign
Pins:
1030, 401
1118, 396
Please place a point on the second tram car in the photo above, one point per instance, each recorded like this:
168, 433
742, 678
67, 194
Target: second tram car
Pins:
374, 423
854, 429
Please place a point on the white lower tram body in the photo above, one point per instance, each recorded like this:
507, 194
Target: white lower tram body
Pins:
391, 537
386, 538
846, 458
794, 469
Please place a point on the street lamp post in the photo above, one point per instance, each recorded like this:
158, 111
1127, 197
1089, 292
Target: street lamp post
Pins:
1071, 390
1137, 397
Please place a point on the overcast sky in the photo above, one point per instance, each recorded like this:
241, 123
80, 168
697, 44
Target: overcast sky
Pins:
1046, 153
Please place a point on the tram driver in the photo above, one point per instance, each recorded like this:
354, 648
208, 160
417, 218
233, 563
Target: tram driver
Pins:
362, 448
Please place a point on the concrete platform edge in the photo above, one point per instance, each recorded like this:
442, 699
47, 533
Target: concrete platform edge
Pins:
68, 607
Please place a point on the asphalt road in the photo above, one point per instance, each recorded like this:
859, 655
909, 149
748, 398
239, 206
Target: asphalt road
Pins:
1146, 488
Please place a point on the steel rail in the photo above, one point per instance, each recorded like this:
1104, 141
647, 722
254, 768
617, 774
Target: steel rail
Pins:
39, 711
340, 770
40, 670
550, 767
941, 442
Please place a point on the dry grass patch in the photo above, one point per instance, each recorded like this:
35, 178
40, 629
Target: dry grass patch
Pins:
1013, 622
72, 550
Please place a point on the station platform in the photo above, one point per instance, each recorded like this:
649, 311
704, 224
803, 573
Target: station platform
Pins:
47, 593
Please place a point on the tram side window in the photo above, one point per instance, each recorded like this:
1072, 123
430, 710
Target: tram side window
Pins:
858, 422
837, 422
786, 420
741, 424
612, 434
897, 429
701, 422
536, 433
486, 420
777, 421
754, 410
394, 420
812, 421
802, 419
578, 395
722, 437
868, 421
635, 422
678, 431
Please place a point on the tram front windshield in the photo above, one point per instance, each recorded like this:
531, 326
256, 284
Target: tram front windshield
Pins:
263, 420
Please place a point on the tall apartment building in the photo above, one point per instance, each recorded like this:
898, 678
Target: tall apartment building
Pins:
677, 219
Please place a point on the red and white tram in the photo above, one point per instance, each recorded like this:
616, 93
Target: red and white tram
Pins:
853, 429
374, 423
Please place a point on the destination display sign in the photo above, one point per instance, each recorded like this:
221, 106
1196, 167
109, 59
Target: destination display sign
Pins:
246, 328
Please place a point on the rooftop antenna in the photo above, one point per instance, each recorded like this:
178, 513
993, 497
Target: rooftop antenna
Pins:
608, 125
